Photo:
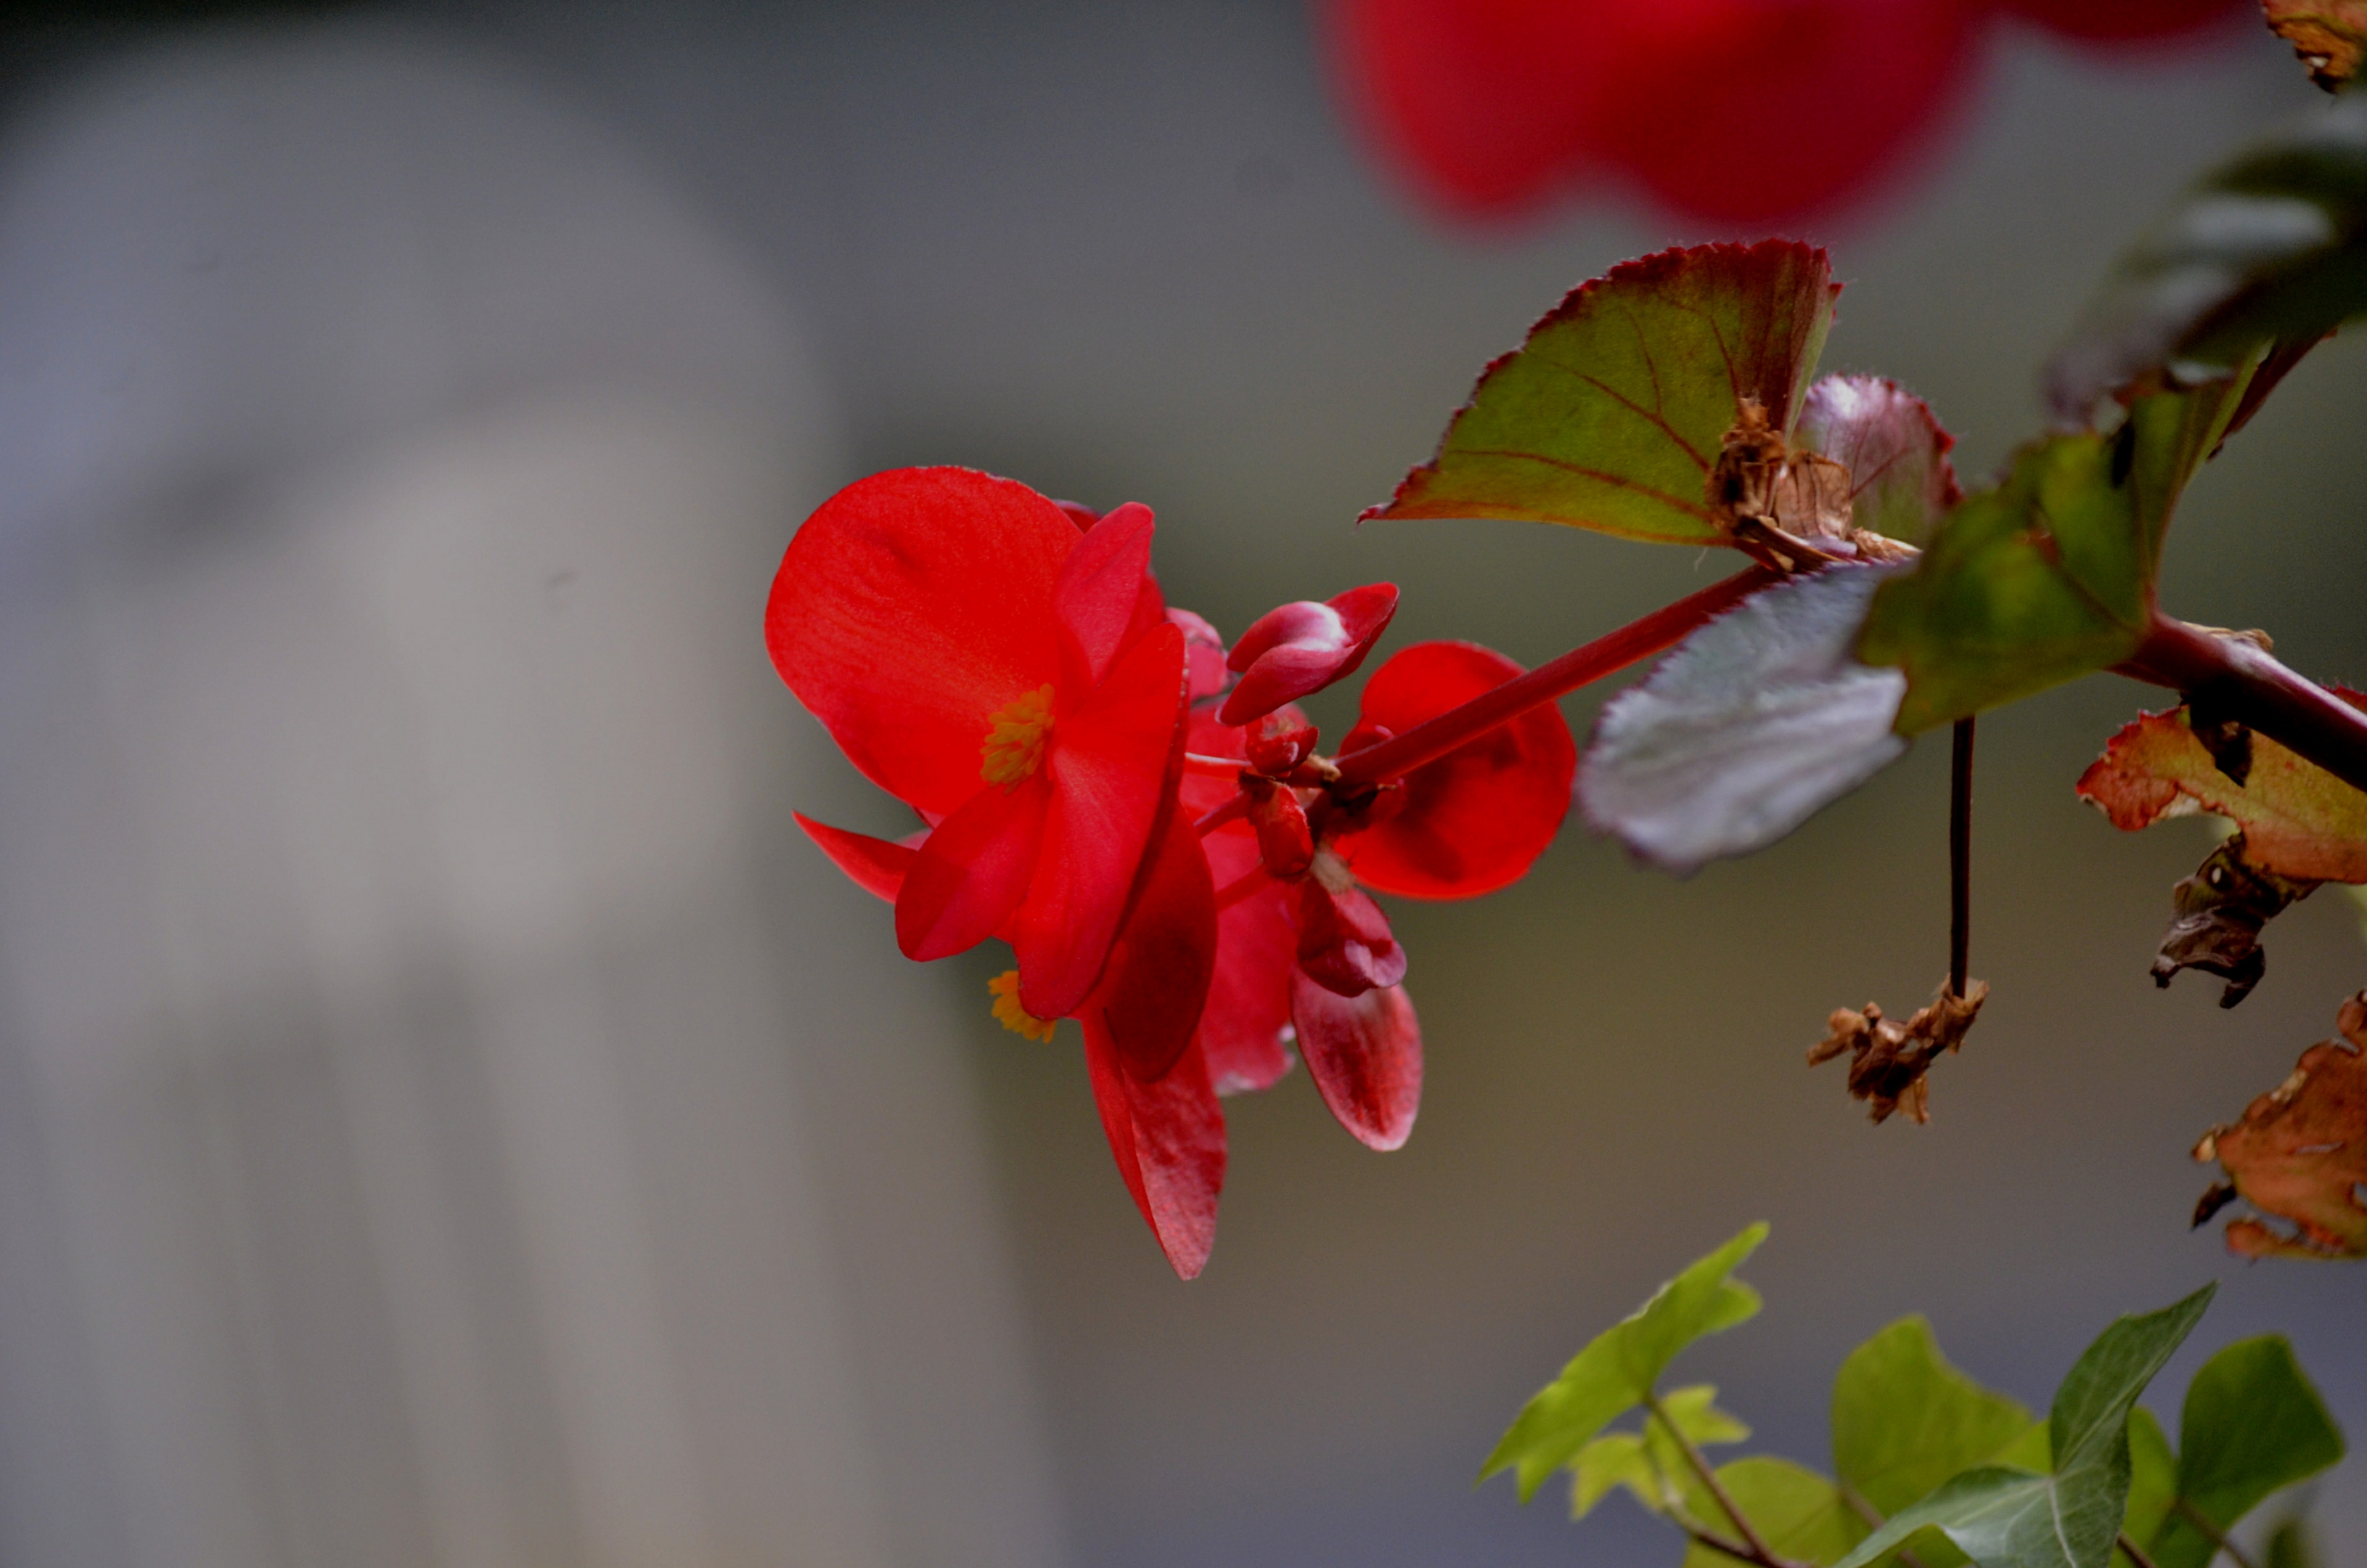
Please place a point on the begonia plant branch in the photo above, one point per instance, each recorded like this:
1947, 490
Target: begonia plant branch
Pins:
2248, 684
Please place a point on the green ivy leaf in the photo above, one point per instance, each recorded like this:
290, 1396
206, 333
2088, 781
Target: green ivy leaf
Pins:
1799, 1513
2271, 245
1905, 1421
2252, 1426
1618, 1368
1613, 412
1645, 1462
2049, 575
2004, 1518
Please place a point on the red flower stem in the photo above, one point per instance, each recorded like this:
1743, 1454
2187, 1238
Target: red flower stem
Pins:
2250, 686
1434, 737
1251, 880
1232, 810
1213, 766
1960, 857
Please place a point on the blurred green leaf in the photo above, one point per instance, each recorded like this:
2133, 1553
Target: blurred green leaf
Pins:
1645, 1462
2271, 245
2049, 575
2252, 1426
2005, 1518
2153, 1480
1905, 1421
1618, 1368
1612, 413
1799, 1513
2291, 1546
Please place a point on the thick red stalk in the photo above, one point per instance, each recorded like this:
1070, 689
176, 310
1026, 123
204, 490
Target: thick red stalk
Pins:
2247, 685
1664, 628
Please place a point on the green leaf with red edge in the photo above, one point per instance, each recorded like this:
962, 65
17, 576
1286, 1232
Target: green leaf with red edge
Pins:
1901, 482
2298, 820
1613, 412
2049, 575
2300, 1153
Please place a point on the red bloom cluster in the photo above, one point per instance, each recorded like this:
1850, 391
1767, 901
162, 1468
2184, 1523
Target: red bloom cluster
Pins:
1009, 669
1740, 111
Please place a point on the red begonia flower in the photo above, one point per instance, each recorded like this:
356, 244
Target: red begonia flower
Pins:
1476, 819
1298, 649
1737, 111
1014, 679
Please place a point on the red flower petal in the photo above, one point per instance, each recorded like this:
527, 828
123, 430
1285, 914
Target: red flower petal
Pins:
1364, 1054
877, 866
1169, 1138
1301, 648
1345, 941
973, 871
1109, 762
1248, 999
1475, 819
1204, 648
1160, 967
909, 610
1099, 592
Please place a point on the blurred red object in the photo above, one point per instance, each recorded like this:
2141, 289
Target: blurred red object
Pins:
1736, 111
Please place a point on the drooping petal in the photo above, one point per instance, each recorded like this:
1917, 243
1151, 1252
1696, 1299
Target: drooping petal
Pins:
972, 872
1298, 649
1099, 592
1364, 1054
1477, 817
1248, 999
1156, 981
1344, 942
877, 866
1169, 1138
1110, 764
910, 609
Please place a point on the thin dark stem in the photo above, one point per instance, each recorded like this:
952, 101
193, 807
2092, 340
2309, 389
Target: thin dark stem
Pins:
1757, 1552
2135, 1555
1960, 857
1433, 738
1719, 1543
2252, 688
2210, 1532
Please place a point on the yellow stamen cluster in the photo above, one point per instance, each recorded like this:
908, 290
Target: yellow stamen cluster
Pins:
1015, 739
1010, 1014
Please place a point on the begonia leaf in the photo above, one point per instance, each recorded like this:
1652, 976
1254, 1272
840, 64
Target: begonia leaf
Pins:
1802, 1516
910, 607
2299, 1154
1901, 482
2331, 36
1169, 1138
1476, 819
1619, 1366
2050, 574
2252, 1426
2005, 1518
1748, 728
1297, 650
1612, 414
1905, 1421
2298, 820
1364, 1054
2269, 247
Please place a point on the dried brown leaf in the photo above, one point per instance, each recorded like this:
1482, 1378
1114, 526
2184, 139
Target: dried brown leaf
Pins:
1891, 1059
2300, 1153
2220, 911
2329, 36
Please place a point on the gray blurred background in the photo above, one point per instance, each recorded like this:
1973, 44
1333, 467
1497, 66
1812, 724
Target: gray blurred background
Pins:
450, 1116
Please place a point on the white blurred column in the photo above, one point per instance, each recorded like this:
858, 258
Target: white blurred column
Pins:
413, 1075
